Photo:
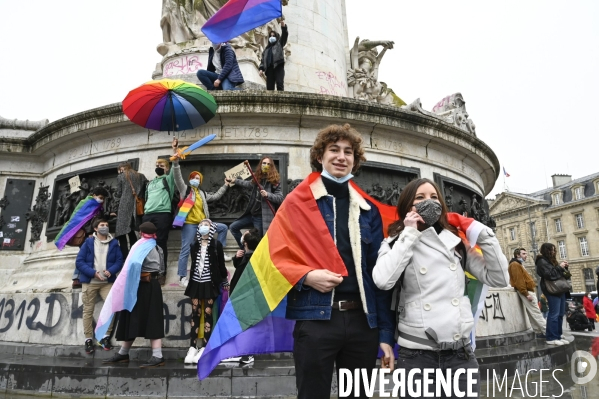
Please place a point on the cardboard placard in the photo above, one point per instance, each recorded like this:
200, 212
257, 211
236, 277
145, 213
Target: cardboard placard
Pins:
74, 183
240, 171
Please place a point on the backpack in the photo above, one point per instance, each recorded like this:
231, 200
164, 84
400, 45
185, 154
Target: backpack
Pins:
174, 200
460, 249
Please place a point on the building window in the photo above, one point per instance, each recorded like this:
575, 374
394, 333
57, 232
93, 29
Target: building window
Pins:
561, 246
513, 233
578, 193
556, 199
579, 221
558, 225
584, 246
589, 279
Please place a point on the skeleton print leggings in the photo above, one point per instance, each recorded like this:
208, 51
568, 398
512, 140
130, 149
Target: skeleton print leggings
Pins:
198, 306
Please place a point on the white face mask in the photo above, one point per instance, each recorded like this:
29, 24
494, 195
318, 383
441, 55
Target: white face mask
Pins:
98, 200
272, 39
204, 230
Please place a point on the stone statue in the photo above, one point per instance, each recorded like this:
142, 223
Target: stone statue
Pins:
393, 197
362, 77
453, 109
83, 189
463, 206
449, 199
475, 208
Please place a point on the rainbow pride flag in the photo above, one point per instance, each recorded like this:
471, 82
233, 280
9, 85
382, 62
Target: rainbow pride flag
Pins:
239, 16
253, 321
123, 294
84, 212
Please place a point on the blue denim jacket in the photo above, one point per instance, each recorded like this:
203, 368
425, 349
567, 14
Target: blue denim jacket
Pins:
306, 303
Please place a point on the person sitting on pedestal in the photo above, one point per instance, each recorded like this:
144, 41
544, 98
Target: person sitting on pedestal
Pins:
223, 71
273, 60
578, 320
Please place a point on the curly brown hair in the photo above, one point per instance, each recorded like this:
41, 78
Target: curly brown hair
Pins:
332, 134
272, 175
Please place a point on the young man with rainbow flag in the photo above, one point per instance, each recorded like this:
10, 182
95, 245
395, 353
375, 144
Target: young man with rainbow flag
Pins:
314, 265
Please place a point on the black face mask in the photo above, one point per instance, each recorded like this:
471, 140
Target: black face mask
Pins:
159, 171
429, 210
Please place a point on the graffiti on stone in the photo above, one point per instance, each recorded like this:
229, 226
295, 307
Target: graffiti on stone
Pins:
492, 308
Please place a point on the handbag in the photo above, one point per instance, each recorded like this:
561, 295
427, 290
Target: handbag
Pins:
559, 286
77, 239
139, 203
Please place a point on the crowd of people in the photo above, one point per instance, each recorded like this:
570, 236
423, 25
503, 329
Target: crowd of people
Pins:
396, 290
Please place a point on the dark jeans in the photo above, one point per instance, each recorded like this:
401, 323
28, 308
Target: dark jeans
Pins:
163, 222
207, 78
275, 75
453, 360
125, 247
344, 341
245, 221
591, 324
555, 319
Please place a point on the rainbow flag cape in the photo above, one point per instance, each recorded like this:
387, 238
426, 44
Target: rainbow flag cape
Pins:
84, 212
123, 294
239, 16
184, 210
253, 321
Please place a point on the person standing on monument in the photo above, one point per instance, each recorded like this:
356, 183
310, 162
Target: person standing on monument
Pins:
193, 208
223, 71
146, 318
340, 321
208, 276
258, 214
525, 286
128, 183
158, 207
98, 262
425, 255
273, 59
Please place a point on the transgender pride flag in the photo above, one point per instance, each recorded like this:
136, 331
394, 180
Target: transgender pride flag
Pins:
123, 294
240, 16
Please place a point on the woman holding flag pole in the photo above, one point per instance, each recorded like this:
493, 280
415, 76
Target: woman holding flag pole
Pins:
426, 257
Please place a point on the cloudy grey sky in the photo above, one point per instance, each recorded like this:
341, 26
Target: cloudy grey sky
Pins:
528, 69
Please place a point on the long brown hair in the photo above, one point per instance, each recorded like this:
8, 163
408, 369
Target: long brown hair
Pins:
272, 175
406, 201
128, 170
547, 251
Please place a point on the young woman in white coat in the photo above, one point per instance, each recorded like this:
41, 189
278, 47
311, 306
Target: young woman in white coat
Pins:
425, 253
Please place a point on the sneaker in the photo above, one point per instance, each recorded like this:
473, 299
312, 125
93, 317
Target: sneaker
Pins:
556, 342
228, 258
190, 355
247, 359
76, 283
89, 346
196, 358
235, 359
153, 362
105, 344
117, 358
184, 282
565, 341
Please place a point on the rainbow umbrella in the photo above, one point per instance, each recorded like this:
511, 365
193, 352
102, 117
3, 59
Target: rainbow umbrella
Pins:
169, 105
